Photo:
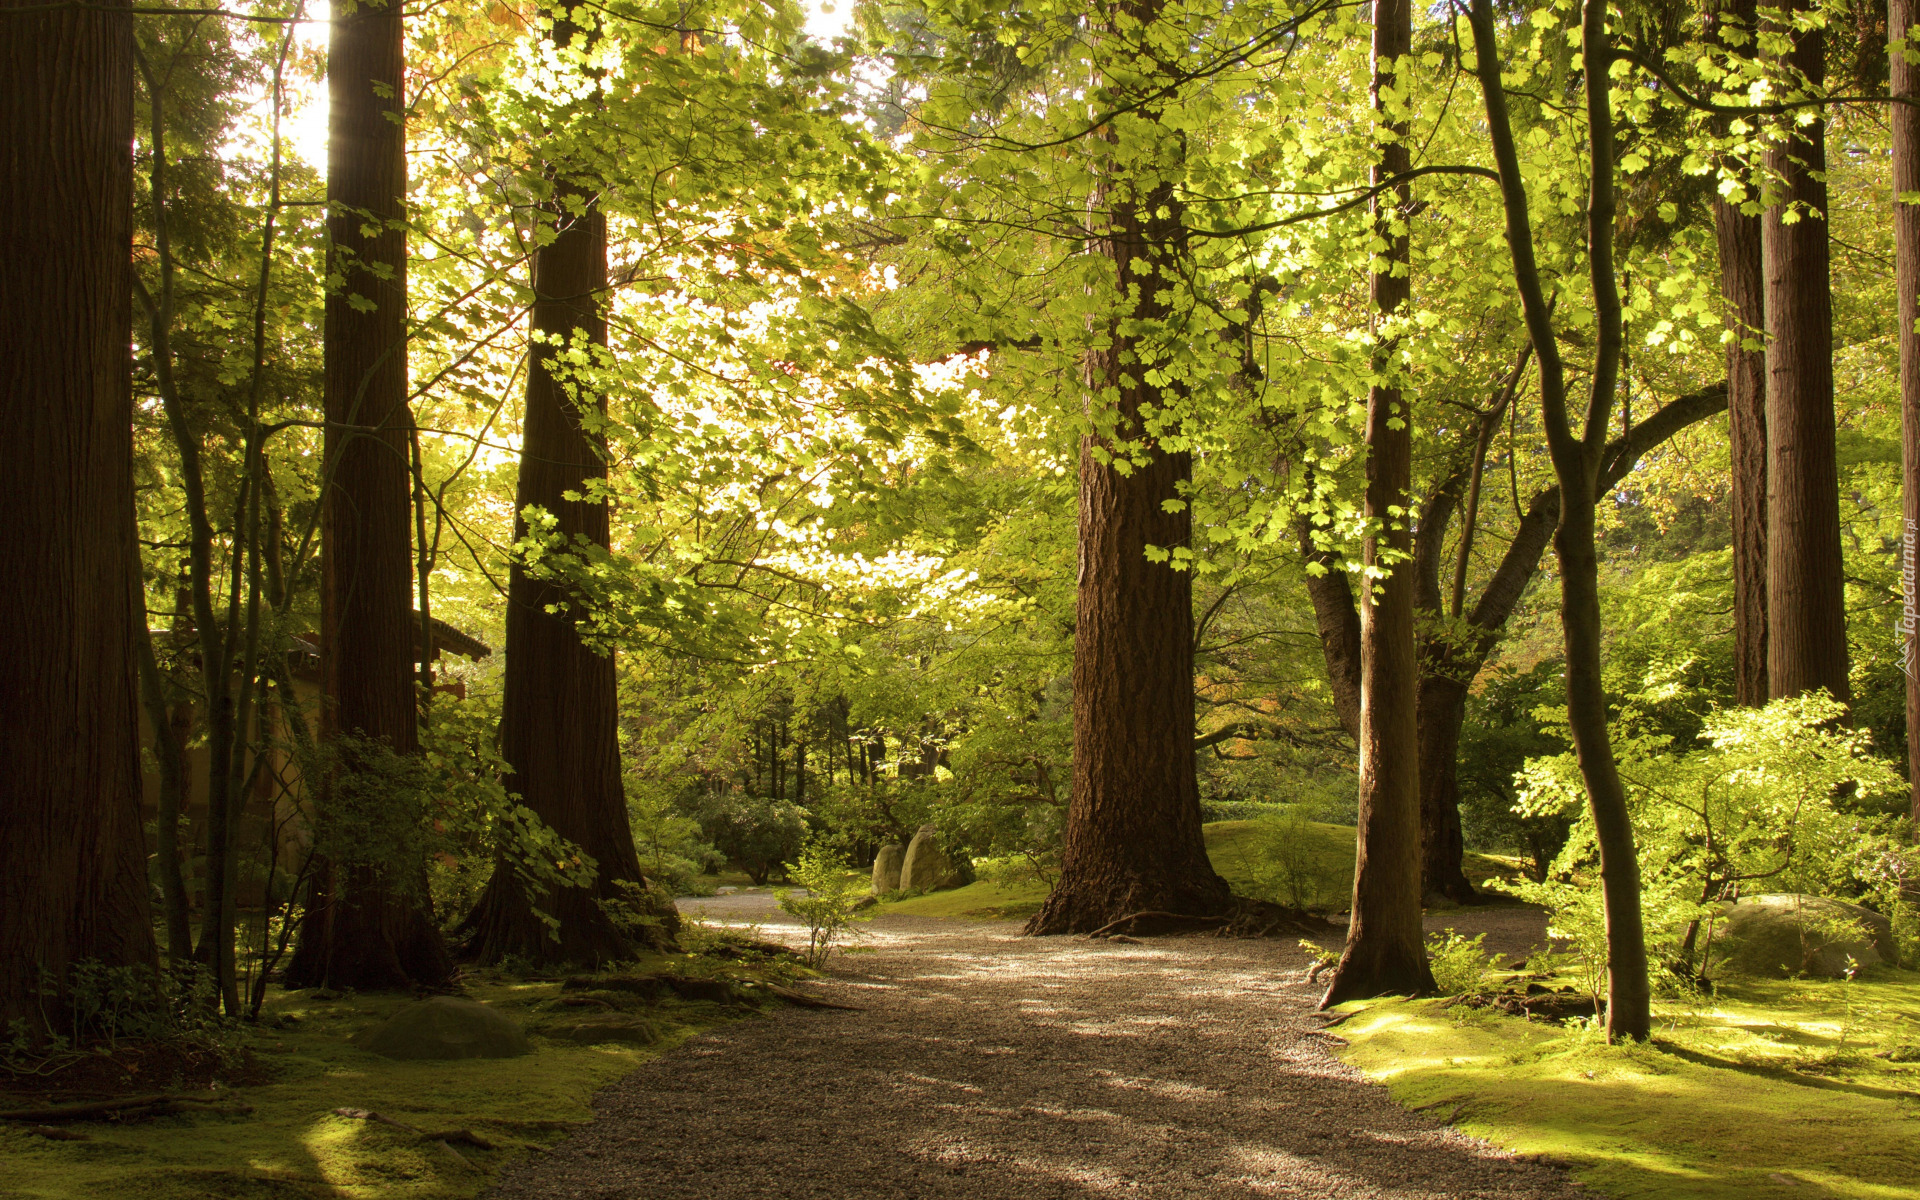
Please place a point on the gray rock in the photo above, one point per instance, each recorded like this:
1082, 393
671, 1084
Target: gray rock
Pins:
927, 867
445, 1027
886, 869
1787, 934
627, 1031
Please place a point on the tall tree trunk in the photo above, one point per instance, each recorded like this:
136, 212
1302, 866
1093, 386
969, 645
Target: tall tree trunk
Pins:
73, 881
368, 924
1904, 81
1743, 288
1384, 951
1579, 463
558, 729
1133, 841
1806, 592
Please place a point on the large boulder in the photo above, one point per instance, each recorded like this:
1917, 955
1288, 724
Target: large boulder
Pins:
1789, 934
443, 1027
927, 867
886, 869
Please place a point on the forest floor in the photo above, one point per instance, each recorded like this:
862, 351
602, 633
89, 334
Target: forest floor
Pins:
986, 1065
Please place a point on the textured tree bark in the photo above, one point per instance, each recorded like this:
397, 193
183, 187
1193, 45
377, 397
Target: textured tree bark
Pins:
1743, 288
1338, 621
1442, 710
368, 927
1904, 81
1806, 591
558, 726
1133, 841
73, 881
1384, 953
1448, 667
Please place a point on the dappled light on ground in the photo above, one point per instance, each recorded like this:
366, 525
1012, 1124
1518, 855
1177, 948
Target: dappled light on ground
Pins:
989, 1066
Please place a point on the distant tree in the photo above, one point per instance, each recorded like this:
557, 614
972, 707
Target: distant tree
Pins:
1806, 579
559, 726
368, 925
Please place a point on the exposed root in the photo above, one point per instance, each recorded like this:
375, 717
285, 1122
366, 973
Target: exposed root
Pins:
806, 1001
124, 1108
443, 1139
1245, 919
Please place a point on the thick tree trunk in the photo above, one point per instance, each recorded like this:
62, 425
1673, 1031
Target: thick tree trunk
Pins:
1384, 953
1743, 288
558, 727
1904, 78
73, 882
368, 926
1133, 840
1806, 591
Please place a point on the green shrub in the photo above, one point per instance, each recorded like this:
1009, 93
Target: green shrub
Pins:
1460, 964
832, 890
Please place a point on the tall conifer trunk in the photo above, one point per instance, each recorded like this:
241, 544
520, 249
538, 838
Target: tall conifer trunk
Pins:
1806, 592
1743, 289
367, 926
558, 727
1133, 841
73, 880
1384, 952
1904, 80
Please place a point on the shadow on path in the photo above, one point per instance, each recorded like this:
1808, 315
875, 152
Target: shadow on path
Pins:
1003, 1068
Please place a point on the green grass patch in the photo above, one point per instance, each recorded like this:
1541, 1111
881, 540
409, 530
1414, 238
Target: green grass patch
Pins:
1788, 1089
293, 1145
1237, 849
982, 900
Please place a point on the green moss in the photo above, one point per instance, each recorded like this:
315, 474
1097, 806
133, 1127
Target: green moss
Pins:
292, 1144
1767, 1089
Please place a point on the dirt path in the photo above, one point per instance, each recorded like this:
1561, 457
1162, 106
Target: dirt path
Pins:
995, 1067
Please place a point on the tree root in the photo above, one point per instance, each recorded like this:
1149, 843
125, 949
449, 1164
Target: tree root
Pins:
806, 1001
125, 1106
1246, 918
443, 1139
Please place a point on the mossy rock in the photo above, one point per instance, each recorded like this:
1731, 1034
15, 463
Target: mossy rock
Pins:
445, 1027
886, 869
626, 1031
1783, 935
927, 867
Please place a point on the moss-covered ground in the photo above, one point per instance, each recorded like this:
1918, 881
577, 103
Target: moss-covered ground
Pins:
1765, 1089
293, 1144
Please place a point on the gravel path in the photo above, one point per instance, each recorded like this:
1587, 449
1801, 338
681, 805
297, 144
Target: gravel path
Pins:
993, 1067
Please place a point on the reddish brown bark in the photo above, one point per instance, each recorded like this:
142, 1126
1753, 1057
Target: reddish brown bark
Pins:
1806, 591
1743, 288
1904, 80
73, 883
368, 926
1133, 840
1384, 954
558, 726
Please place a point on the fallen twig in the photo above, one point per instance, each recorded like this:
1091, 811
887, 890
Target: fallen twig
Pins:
806, 1001
1154, 914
